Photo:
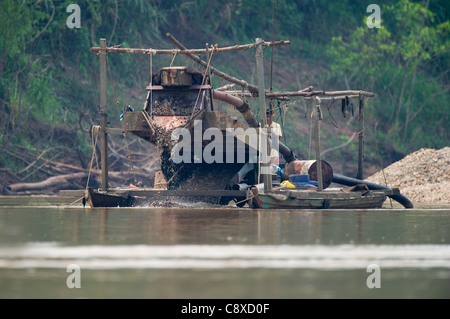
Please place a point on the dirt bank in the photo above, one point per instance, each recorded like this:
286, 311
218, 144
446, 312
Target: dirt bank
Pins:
422, 176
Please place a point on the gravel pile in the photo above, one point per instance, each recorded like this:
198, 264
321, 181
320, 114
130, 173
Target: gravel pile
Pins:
423, 176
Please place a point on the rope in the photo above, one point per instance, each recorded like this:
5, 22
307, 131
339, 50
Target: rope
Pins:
147, 119
378, 152
244, 200
253, 196
95, 129
118, 110
310, 135
282, 117
333, 121
173, 58
175, 174
204, 78
74, 202
210, 81
150, 70
259, 152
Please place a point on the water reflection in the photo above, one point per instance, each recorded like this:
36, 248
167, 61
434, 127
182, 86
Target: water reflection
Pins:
169, 226
247, 253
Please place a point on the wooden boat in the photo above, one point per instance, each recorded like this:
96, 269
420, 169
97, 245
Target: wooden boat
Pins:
108, 199
327, 199
140, 197
355, 197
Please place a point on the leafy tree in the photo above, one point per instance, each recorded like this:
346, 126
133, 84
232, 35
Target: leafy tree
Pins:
394, 61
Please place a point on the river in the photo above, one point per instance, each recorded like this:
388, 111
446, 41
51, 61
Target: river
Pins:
57, 251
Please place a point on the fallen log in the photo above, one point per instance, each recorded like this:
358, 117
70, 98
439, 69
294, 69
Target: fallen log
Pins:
62, 181
54, 181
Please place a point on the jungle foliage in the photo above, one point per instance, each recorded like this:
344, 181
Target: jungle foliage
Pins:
49, 79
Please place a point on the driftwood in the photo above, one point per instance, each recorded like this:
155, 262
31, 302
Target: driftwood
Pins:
54, 175
66, 180
49, 170
55, 181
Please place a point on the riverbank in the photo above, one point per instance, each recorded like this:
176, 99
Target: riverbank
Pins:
422, 176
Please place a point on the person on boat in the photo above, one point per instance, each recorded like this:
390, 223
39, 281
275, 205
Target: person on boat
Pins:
276, 134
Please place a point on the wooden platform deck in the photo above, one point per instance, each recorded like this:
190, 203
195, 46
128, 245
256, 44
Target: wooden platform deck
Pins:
334, 198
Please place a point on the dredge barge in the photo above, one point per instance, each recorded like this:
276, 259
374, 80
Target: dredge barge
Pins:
208, 155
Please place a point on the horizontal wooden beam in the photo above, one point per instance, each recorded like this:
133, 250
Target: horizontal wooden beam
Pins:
192, 51
348, 92
306, 94
180, 88
180, 193
113, 130
335, 98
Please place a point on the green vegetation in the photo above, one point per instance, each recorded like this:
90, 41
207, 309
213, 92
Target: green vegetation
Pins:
406, 63
49, 79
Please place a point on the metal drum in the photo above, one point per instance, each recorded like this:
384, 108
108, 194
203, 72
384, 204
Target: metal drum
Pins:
310, 168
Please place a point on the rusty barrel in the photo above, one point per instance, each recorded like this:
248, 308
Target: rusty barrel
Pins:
310, 168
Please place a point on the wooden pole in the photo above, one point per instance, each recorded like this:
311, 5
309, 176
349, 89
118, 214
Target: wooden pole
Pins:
360, 174
103, 117
265, 167
260, 79
317, 118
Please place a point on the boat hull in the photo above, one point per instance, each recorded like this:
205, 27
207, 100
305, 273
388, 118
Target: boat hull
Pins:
98, 199
148, 197
297, 199
280, 199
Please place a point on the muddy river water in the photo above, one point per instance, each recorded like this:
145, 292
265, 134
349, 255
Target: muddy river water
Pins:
58, 251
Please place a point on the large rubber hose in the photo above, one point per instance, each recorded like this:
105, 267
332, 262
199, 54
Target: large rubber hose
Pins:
344, 180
